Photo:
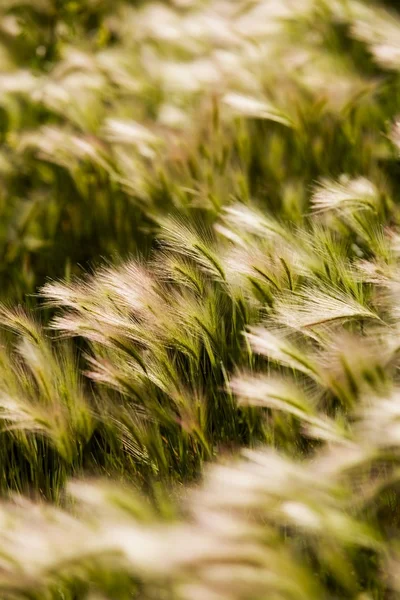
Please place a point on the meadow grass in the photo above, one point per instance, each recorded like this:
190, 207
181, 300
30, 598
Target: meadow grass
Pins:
199, 284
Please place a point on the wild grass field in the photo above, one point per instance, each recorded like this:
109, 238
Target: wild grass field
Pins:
199, 300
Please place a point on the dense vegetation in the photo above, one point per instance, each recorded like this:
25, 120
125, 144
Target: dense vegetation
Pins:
199, 284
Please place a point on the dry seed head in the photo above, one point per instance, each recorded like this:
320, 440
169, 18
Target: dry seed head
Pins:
344, 195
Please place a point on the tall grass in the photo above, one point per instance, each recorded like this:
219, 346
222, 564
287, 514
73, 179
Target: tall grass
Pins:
199, 241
